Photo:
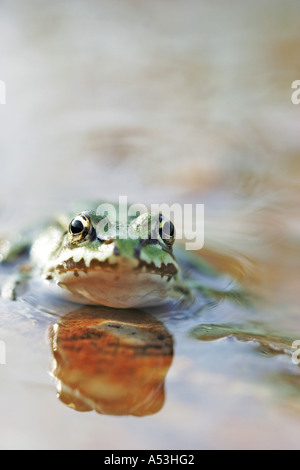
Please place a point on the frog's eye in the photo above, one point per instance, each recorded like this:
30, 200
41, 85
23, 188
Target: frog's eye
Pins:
79, 228
76, 227
166, 231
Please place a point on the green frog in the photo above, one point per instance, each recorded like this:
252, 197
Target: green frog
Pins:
90, 261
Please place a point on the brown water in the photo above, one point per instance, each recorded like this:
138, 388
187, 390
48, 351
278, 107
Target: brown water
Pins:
181, 102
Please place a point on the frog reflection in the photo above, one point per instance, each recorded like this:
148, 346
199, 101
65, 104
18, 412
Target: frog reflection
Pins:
112, 361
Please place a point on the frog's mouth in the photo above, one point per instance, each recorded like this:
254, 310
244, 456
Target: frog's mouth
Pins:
115, 280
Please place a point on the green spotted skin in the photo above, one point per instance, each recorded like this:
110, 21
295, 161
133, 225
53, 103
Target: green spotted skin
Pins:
99, 261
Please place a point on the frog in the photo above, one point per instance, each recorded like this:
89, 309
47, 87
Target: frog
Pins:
87, 258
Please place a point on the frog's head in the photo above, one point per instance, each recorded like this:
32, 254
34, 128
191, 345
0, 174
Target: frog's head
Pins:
118, 265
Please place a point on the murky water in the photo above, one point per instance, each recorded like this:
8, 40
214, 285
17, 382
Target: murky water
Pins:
189, 102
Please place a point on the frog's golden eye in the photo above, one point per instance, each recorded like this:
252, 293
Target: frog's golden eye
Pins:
166, 231
79, 228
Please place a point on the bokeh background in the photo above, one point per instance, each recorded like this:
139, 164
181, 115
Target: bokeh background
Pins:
162, 101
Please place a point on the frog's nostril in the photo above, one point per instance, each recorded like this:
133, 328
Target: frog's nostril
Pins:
116, 251
107, 242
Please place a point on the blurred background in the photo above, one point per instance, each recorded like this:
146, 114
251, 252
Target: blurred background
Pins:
182, 101
160, 101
